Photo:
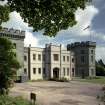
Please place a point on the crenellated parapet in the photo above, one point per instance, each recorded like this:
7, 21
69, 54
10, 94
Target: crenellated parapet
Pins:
81, 44
13, 33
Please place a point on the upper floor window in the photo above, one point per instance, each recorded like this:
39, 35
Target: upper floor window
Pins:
25, 71
39, 57
43, 57
34, 56
82, 51
25, 58
82, 59
63, 58
56, 57
68, 58
92, 51
34, 70
72, 60
14, 44
92, 59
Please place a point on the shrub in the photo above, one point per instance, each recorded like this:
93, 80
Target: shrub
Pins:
59, 80
6, 100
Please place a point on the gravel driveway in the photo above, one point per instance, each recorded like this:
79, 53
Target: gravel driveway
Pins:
59, 93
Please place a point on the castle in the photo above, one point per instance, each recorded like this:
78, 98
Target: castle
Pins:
53, 61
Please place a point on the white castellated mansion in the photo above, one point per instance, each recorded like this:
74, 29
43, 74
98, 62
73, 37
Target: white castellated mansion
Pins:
53, 61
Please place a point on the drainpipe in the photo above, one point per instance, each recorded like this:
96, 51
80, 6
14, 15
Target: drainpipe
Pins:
60, 62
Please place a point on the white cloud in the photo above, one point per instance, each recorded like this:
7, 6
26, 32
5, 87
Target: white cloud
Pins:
3, 2
30, 39
16, 22
84, 19
100, 53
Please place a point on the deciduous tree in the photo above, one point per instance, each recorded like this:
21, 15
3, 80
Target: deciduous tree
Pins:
48, 15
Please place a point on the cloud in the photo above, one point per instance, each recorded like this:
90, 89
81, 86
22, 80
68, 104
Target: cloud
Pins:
30, 39
3, 2
100, 53
76, 33
16, 22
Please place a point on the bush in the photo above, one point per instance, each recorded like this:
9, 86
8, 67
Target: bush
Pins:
59, 80
6, 100
96, 77
100, 70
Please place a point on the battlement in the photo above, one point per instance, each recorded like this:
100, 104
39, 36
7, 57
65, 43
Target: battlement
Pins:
81, 44
12, 33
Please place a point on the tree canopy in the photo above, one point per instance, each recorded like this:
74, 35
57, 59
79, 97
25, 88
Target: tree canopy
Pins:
48, 15
8, 65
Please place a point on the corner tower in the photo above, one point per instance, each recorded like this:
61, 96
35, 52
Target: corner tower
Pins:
17, 38
84, 58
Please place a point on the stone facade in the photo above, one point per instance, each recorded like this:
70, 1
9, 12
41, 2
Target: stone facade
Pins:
53, 61
17, 38
49, 62
84, 58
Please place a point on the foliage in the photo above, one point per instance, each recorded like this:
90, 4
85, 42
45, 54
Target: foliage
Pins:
96, 80
6, 100
60, 80
48, 15
100, 68
8, 65
4, 14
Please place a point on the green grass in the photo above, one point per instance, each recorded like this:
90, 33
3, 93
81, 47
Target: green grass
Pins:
97, 80
7, 100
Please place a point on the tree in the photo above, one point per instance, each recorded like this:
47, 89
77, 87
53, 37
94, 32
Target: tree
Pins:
8, 65
100, 68
48, 15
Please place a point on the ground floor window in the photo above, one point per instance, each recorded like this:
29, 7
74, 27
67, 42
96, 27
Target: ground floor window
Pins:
25, 71
68, 71
34, 70
39, 70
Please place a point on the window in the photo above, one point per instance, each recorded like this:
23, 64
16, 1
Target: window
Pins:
64, 71
82, 51
39, 57
34, 56
63, 58
34, 70
25, 71
92, 59
56, 58
92, 51
67, 71
82, 59
43, 70
68, 58
39, 70
15, 54
92, 72
72, 60
43, 57
72, 71
25, 58
14, 44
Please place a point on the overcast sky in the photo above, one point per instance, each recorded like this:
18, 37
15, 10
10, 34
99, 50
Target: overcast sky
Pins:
93, 15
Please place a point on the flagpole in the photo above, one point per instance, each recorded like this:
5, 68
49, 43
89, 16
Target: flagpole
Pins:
88, 27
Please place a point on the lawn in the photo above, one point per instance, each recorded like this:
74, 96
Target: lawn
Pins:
97, 80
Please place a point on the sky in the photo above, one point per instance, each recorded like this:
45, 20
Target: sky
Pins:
93, 16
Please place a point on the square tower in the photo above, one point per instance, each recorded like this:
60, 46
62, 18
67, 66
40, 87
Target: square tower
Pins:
17, 38
84, 58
